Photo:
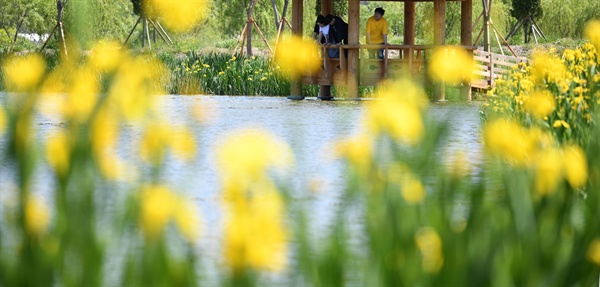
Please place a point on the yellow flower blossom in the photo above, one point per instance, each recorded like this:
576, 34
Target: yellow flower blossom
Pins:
3, 121
540, 104
507, 140
82, 95
429, 244
114, 168
399, 119
157, 205
413, 190
106, 56
255, 236
592, 32
37, 216
451, 64
136, 82
246, 155
404, 90
155, 143
547, 66
561, 123
187, 220
298, 57
104, 130
183, 144
548, 171
575, 166
593, 252
358, 150
58, 152
22, 73
178, 16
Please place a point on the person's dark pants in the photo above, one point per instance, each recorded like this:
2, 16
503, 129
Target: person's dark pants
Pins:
376, 53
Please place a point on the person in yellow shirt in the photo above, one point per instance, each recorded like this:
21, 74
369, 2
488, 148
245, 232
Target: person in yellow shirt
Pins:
377, 31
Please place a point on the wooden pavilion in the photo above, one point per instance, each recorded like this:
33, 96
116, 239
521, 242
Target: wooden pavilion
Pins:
357, 70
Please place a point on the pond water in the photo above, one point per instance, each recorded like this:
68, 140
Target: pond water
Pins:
308, 126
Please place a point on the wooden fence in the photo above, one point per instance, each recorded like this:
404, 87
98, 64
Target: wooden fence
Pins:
490, 66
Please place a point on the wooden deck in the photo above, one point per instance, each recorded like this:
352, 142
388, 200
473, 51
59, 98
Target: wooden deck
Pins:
404, 59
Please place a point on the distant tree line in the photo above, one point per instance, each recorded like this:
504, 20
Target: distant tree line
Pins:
114, 19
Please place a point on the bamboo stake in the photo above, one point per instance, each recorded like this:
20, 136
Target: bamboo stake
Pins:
159, 32
134, 26
477, 21
505, 42
164, 32
49, 36
498, 40
242, 36
515, 28
478, 36
278, 35
62, 36
538, 28
263, 36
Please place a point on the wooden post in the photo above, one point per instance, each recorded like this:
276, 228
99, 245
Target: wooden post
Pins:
325, 90
439, 35
60, 6
466, 39
353, 53
297, 16
409, 22
326, 7
487, 46
146, 37
249, 13
466, 19
439, 22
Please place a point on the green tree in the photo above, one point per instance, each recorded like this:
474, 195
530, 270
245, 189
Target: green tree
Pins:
526, 11
566, 18
24, 16
89, 21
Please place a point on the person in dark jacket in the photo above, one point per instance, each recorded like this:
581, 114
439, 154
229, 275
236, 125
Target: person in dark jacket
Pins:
338, 31
340, 28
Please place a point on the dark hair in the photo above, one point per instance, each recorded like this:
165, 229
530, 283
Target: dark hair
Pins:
328, 19
379, 10
321, 20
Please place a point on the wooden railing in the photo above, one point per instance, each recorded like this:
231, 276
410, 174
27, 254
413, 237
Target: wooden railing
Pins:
490, 66
403, 59
397, 59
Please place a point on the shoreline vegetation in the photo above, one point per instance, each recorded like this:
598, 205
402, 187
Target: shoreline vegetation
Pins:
217, 72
